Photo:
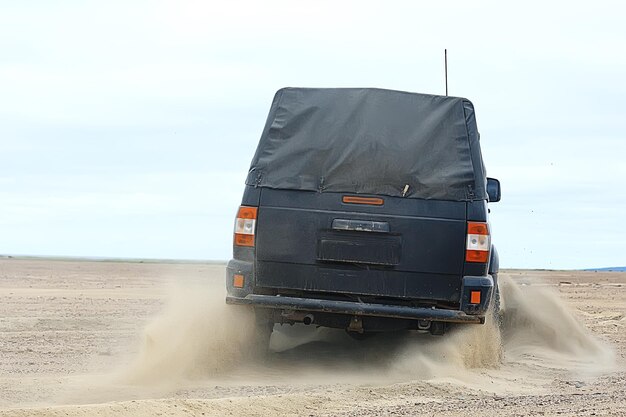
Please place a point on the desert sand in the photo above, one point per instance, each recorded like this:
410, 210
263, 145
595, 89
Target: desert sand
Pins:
87, 338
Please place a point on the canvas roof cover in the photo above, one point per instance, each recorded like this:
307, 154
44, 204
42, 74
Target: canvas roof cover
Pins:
370, 141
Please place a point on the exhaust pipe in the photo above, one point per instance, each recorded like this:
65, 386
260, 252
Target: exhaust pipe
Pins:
308, 319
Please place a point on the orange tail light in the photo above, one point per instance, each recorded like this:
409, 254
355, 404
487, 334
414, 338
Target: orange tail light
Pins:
245, 226
478, 242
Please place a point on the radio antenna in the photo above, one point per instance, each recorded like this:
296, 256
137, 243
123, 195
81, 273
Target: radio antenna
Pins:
445, 58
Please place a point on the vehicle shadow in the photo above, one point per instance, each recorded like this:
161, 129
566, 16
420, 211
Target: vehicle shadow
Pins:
335, 349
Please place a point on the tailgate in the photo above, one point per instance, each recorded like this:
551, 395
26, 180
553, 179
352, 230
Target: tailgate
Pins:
402, 248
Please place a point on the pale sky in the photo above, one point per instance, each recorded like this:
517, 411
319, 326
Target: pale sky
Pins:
127, 128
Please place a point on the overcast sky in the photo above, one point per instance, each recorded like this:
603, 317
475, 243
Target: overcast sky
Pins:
127, 127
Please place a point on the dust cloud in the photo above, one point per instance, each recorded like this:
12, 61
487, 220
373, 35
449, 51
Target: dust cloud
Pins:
538, 326
199, 337
196, 335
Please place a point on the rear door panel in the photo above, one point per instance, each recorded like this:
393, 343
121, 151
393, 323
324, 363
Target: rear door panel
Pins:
315, 242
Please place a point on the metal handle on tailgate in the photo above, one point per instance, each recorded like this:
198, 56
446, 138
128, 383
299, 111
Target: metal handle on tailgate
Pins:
360, 225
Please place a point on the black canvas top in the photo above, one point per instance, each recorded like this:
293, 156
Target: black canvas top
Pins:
371, 141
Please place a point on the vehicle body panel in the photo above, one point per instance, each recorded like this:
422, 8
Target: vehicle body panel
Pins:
362, 250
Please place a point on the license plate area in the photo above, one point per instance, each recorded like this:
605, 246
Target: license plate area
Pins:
359, 247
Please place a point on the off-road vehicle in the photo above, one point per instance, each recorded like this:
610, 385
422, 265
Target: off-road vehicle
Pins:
366, 210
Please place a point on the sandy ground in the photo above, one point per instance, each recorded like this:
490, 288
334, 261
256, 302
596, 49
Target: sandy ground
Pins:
145, 339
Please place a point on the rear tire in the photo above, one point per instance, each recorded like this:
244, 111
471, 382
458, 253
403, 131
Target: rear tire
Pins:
495, 307
263, 327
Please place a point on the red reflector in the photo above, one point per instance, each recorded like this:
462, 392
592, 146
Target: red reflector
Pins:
238, 281
475, 297
244, 240
372, 201
475, 228
477, 256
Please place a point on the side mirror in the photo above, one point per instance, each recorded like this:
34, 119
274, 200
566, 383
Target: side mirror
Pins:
493, 190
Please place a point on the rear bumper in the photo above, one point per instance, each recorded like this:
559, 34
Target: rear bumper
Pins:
355, 308
467, 312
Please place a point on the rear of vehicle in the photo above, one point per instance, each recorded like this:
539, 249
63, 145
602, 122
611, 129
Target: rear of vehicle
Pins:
365, 210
